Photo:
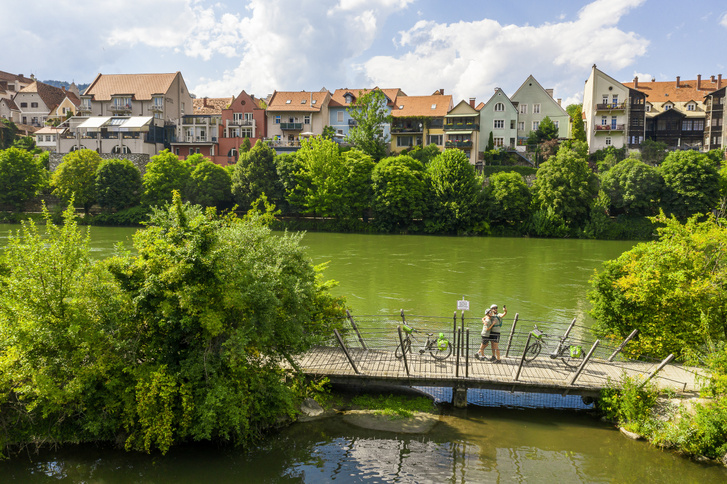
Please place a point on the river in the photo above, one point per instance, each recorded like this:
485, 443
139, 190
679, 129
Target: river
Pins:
379, 275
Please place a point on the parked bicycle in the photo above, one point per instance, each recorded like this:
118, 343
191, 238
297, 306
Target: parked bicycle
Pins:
439, 347
571, 354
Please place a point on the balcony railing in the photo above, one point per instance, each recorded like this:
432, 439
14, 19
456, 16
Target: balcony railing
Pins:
406, 129
462, 127
610, 106
157, 107
352, 122
240, 122
121, 108
466, 144
291, 126
610, 127
200, 139
84, 109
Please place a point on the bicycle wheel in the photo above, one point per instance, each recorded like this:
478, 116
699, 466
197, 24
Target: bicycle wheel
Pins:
441, 354
532, 351
572, 361
407, 348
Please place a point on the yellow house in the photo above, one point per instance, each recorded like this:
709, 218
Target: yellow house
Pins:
419, 121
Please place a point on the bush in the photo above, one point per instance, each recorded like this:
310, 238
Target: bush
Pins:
628, 403
522, 170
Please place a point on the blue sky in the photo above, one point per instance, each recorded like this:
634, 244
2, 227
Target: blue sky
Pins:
465, 47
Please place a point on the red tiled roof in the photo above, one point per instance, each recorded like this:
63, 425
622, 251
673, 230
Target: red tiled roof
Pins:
213, 105
304, 101
338, 98
436, 105
141, 86
662, 91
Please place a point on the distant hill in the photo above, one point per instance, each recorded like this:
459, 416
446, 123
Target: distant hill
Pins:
81, 87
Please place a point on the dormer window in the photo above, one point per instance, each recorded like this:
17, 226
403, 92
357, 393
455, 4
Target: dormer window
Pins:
302, 101
648, 107
313, 101
434, 106
667, 107
288, 101
349, 98
691, 107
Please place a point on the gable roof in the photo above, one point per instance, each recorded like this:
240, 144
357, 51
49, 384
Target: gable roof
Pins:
338, 98
303, 101
436, 105
141, 86
663, 91
6, 76
52, 96
528, 83
211, 105
499, 98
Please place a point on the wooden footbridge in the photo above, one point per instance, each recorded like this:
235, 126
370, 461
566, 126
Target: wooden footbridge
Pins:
364, 355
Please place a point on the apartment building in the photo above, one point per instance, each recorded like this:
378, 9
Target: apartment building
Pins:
499, 116
535, 104
462, 129
419, 121
243, 118
342, 99
198, 132
715, 124
292, 115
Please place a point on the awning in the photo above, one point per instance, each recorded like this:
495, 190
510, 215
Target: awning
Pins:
136, 122
94, 122
460, 132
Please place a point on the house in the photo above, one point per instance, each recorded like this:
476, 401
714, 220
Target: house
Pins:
46, 138
198, 131
243, 118
11, 84
9, 111
499, 116
342, 99
39, 102
462, 129
419, 121
716, 122
295, 114
125, 114
535, 104
675, 111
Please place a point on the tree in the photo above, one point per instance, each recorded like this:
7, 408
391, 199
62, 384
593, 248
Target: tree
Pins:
287, 166
21, 177
118, 184
456, 195
371, 115
27, 143
490, 142
653, 152
566, 186
164, 174
320, 188
671, 290
400, 193
328, 132
209, 185
358, 193
691, 183
423, 154
508, 199
254, 174
246, 145
575, 111
633, 187
8, 132
547, 130
75, 178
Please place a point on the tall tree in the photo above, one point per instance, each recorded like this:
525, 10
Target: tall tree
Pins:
75, 178
21, 176
575, 111
255, 173
8, 131
320, 186
164, 174
508, 199
400, 193
209, 185
371, 115
118, 184
633, 187
691, 183
357, 193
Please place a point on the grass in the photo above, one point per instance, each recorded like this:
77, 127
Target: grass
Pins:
394, 406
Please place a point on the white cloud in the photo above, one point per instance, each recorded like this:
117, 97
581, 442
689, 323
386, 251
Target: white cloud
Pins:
474, 57
723, 20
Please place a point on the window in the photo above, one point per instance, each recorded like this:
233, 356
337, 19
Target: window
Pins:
615, 100
339, 131
248, 116
690, 107
33, 105
23, 105
667, 107
499, 107
687, 125
536, 108
277, 119
698, 125
404, 141
608, 141
237, 117
536, 125
339, 116
434, 139
177, 151
523, 109
499, 124
613, 122
604, 121
648, 108
512, 124
557, 124
521, 126
499, 142
306, 119
605, 98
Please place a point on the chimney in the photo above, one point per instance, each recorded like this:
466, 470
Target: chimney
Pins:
560, 101
550, 92
472, 102
441, 91
699, 82
677, 81
636, 82
712, 79
204, 100
653, 79
719, 81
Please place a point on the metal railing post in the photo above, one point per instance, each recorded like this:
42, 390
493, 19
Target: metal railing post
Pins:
403, 348
512, 332
458, 352
622, 345
345, 351
585, 361
522, 358
355, 328
658, 369
467, 355
403, 319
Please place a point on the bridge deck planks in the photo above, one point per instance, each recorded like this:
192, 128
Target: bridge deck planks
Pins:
541, 373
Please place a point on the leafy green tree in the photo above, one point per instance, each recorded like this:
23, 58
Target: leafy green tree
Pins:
576, 116
400, 193
508, 199
320, 187
547, 130
8, 132
27, 143
164, 174
691, 183
287, 166
653, 152
490, 142
118, 184
254, 174
328, 132
456, 203
565, 185
209, 185
246, 145
75, 178
633, 187
371, 115
424, 154
21, 177
580, 147
671, 290
358, 192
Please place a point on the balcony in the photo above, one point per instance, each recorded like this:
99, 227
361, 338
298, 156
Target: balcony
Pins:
462, 127
84, 109
157, 108
610, 127
611, 107
199, 139
462, 144
406, 129
120, 108
291, 126
241, 122
352, 122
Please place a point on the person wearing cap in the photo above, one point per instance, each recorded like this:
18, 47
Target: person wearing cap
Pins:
491, 324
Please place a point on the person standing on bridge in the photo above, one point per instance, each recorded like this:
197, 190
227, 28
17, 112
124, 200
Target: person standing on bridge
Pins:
491, 324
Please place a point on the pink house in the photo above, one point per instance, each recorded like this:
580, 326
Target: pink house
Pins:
244, 118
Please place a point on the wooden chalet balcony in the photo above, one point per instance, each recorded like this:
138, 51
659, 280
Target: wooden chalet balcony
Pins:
610, 127
611, 107
291, 126
462, 144
462, 127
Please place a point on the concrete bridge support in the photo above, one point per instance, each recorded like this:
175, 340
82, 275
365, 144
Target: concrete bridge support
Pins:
459, 397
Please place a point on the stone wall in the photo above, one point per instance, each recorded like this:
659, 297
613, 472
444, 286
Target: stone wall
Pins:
139, 160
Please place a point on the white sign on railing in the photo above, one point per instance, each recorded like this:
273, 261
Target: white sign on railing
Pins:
463, 305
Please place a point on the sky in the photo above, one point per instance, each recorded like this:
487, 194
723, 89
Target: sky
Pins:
466, 47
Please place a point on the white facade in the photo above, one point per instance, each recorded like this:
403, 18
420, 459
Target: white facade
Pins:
605, 109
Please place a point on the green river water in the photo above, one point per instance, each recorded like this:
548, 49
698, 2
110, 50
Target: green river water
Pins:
542, 280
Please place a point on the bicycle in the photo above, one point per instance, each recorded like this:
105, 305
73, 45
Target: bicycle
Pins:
438, 347
571, 354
